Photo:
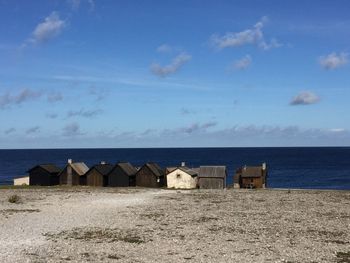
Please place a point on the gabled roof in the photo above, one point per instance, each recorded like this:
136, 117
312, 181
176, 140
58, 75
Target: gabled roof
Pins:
155, 169
103, 169
50, 168
127, 168
170, 169
252, 171
212, 171
191, 172
79, 168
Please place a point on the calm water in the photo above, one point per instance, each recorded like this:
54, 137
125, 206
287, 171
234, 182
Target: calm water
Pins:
319, 168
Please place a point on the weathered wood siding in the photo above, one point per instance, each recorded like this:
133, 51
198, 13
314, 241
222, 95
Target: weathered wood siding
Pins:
118, 178
94, 178
42, 177
63, 178
145, 178
256, 182
211, 183
179, 179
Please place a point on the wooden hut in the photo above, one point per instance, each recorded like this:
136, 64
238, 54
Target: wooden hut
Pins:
73, 174
212, 177
44, 174
150, 175
98, 175
182, 178
122, 175
251, 177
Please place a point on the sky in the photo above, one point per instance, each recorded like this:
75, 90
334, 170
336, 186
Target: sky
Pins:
109, 74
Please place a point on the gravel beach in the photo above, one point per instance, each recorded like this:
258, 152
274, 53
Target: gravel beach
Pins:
157, 225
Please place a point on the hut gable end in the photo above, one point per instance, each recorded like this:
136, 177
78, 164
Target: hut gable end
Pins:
150, 175
212, 177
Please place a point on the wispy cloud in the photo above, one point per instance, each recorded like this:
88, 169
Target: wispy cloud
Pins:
173, 67
305, 98
333, 60
51, 115
9, 131
190, 129
164, 48
54, 97
98, 93
71, 130
32, 130
24, 95
242, 63
84, 113
75, 4
251, 36
186, 111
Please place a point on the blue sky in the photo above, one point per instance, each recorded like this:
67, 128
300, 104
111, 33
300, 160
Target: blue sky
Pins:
94, 73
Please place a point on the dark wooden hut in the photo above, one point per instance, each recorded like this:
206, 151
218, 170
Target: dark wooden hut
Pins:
98, 175
251, 177
73, 174
150, 175
122, 175
44, 174
212, 177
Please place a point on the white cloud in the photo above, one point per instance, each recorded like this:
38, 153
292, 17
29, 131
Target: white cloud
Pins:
305, 98
165, 48
252, 36
50, 28
173, 67
75, 4
243, 63
333, 60
337, 130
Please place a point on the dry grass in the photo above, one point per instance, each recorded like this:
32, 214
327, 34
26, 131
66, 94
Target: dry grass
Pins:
14, 199
343, 257
98, 235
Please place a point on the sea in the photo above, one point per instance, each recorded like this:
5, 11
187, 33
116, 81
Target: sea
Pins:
288, 167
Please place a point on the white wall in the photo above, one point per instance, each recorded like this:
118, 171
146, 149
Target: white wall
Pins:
179, 179
21, 181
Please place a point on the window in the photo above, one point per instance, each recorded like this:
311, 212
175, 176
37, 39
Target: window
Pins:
178, 175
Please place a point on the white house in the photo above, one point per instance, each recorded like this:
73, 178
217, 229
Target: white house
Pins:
182, 178
21, 181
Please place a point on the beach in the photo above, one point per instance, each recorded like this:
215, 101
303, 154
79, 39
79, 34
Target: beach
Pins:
82, 224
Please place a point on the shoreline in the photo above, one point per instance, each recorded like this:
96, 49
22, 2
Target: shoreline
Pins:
4, 187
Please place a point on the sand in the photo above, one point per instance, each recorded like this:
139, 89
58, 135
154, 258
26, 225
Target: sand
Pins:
158, 225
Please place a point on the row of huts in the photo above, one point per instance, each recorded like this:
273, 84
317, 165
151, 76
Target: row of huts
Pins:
123, 174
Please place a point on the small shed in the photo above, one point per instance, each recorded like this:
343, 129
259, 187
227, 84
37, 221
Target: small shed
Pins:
251, 177
98, 175
21, 180
212, 177
182, 178
44, 174
150, 175
122, 175
73, 174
